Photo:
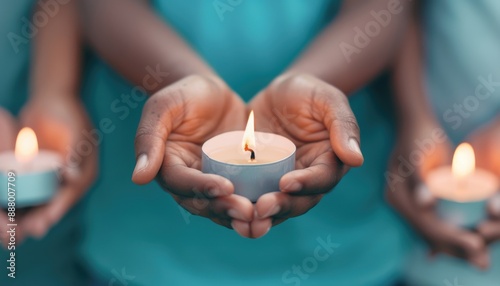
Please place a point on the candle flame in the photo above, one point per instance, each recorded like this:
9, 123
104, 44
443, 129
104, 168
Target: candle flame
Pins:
26, 145
464, 161
249, 135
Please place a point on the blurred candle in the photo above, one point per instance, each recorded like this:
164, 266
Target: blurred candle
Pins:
462, 189
28, 177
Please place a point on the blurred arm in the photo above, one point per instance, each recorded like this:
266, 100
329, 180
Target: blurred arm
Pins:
57, 55
336, 58
410, 95
129, 36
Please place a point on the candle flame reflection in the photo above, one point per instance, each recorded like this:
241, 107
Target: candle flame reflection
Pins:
26, 145
464, 161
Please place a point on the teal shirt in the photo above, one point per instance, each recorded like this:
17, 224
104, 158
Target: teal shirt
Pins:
53, 260
462, 66
350, 238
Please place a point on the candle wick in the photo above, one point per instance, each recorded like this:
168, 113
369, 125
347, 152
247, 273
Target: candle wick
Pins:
252, 154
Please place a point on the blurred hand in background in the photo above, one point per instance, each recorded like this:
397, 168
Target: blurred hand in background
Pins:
61, 123
407, 193
486, 143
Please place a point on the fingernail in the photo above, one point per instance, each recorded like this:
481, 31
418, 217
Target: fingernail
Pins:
354, 145
267, 231
274, 210
293, 187
237, 230
142, 163
236, 215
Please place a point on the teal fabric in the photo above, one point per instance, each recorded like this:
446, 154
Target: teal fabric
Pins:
140, 235
51, 261
462, 41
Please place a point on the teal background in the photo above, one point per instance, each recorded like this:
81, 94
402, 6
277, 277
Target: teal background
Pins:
142, 231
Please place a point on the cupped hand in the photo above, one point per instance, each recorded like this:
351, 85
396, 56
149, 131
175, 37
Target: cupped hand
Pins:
486, 143
60, 123
175, 123
419, 149
317, 117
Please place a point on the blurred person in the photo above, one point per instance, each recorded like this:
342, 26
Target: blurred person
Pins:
196, 59
40, 53
447, 83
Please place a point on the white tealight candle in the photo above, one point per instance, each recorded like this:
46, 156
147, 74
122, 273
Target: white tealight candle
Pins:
253, 161
28, 177
462, 189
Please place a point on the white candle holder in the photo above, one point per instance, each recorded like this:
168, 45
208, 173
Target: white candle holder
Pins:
275, 156
31, 184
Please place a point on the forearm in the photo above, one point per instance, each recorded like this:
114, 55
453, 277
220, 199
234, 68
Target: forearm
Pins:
408, 80
131, 38
56, 51
337, 58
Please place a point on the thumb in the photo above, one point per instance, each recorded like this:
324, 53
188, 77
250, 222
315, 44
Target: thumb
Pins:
150, 140
342, 126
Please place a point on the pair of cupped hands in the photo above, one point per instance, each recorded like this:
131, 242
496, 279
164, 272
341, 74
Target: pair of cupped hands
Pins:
410, 197
58, 121
178, 119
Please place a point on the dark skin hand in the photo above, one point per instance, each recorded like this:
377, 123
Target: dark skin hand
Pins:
175, 122
131, 37
416, 124
318, 119
486, 142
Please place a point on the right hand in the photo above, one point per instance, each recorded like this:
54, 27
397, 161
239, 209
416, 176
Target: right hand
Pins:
407, 193
175, 122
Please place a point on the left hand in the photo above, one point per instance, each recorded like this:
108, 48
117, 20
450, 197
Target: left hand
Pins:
325, 131
486, 143
60, 123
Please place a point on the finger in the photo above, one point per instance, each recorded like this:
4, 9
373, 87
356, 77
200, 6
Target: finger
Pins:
181, 180
7, 129
149, 146
260, 227
494, 207
490, 230
281, 206
241, 227
320, 177
341, 124
225, 209
454, 241
38, 221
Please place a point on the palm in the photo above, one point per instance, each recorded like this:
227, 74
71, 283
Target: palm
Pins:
317, 118
175, 123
